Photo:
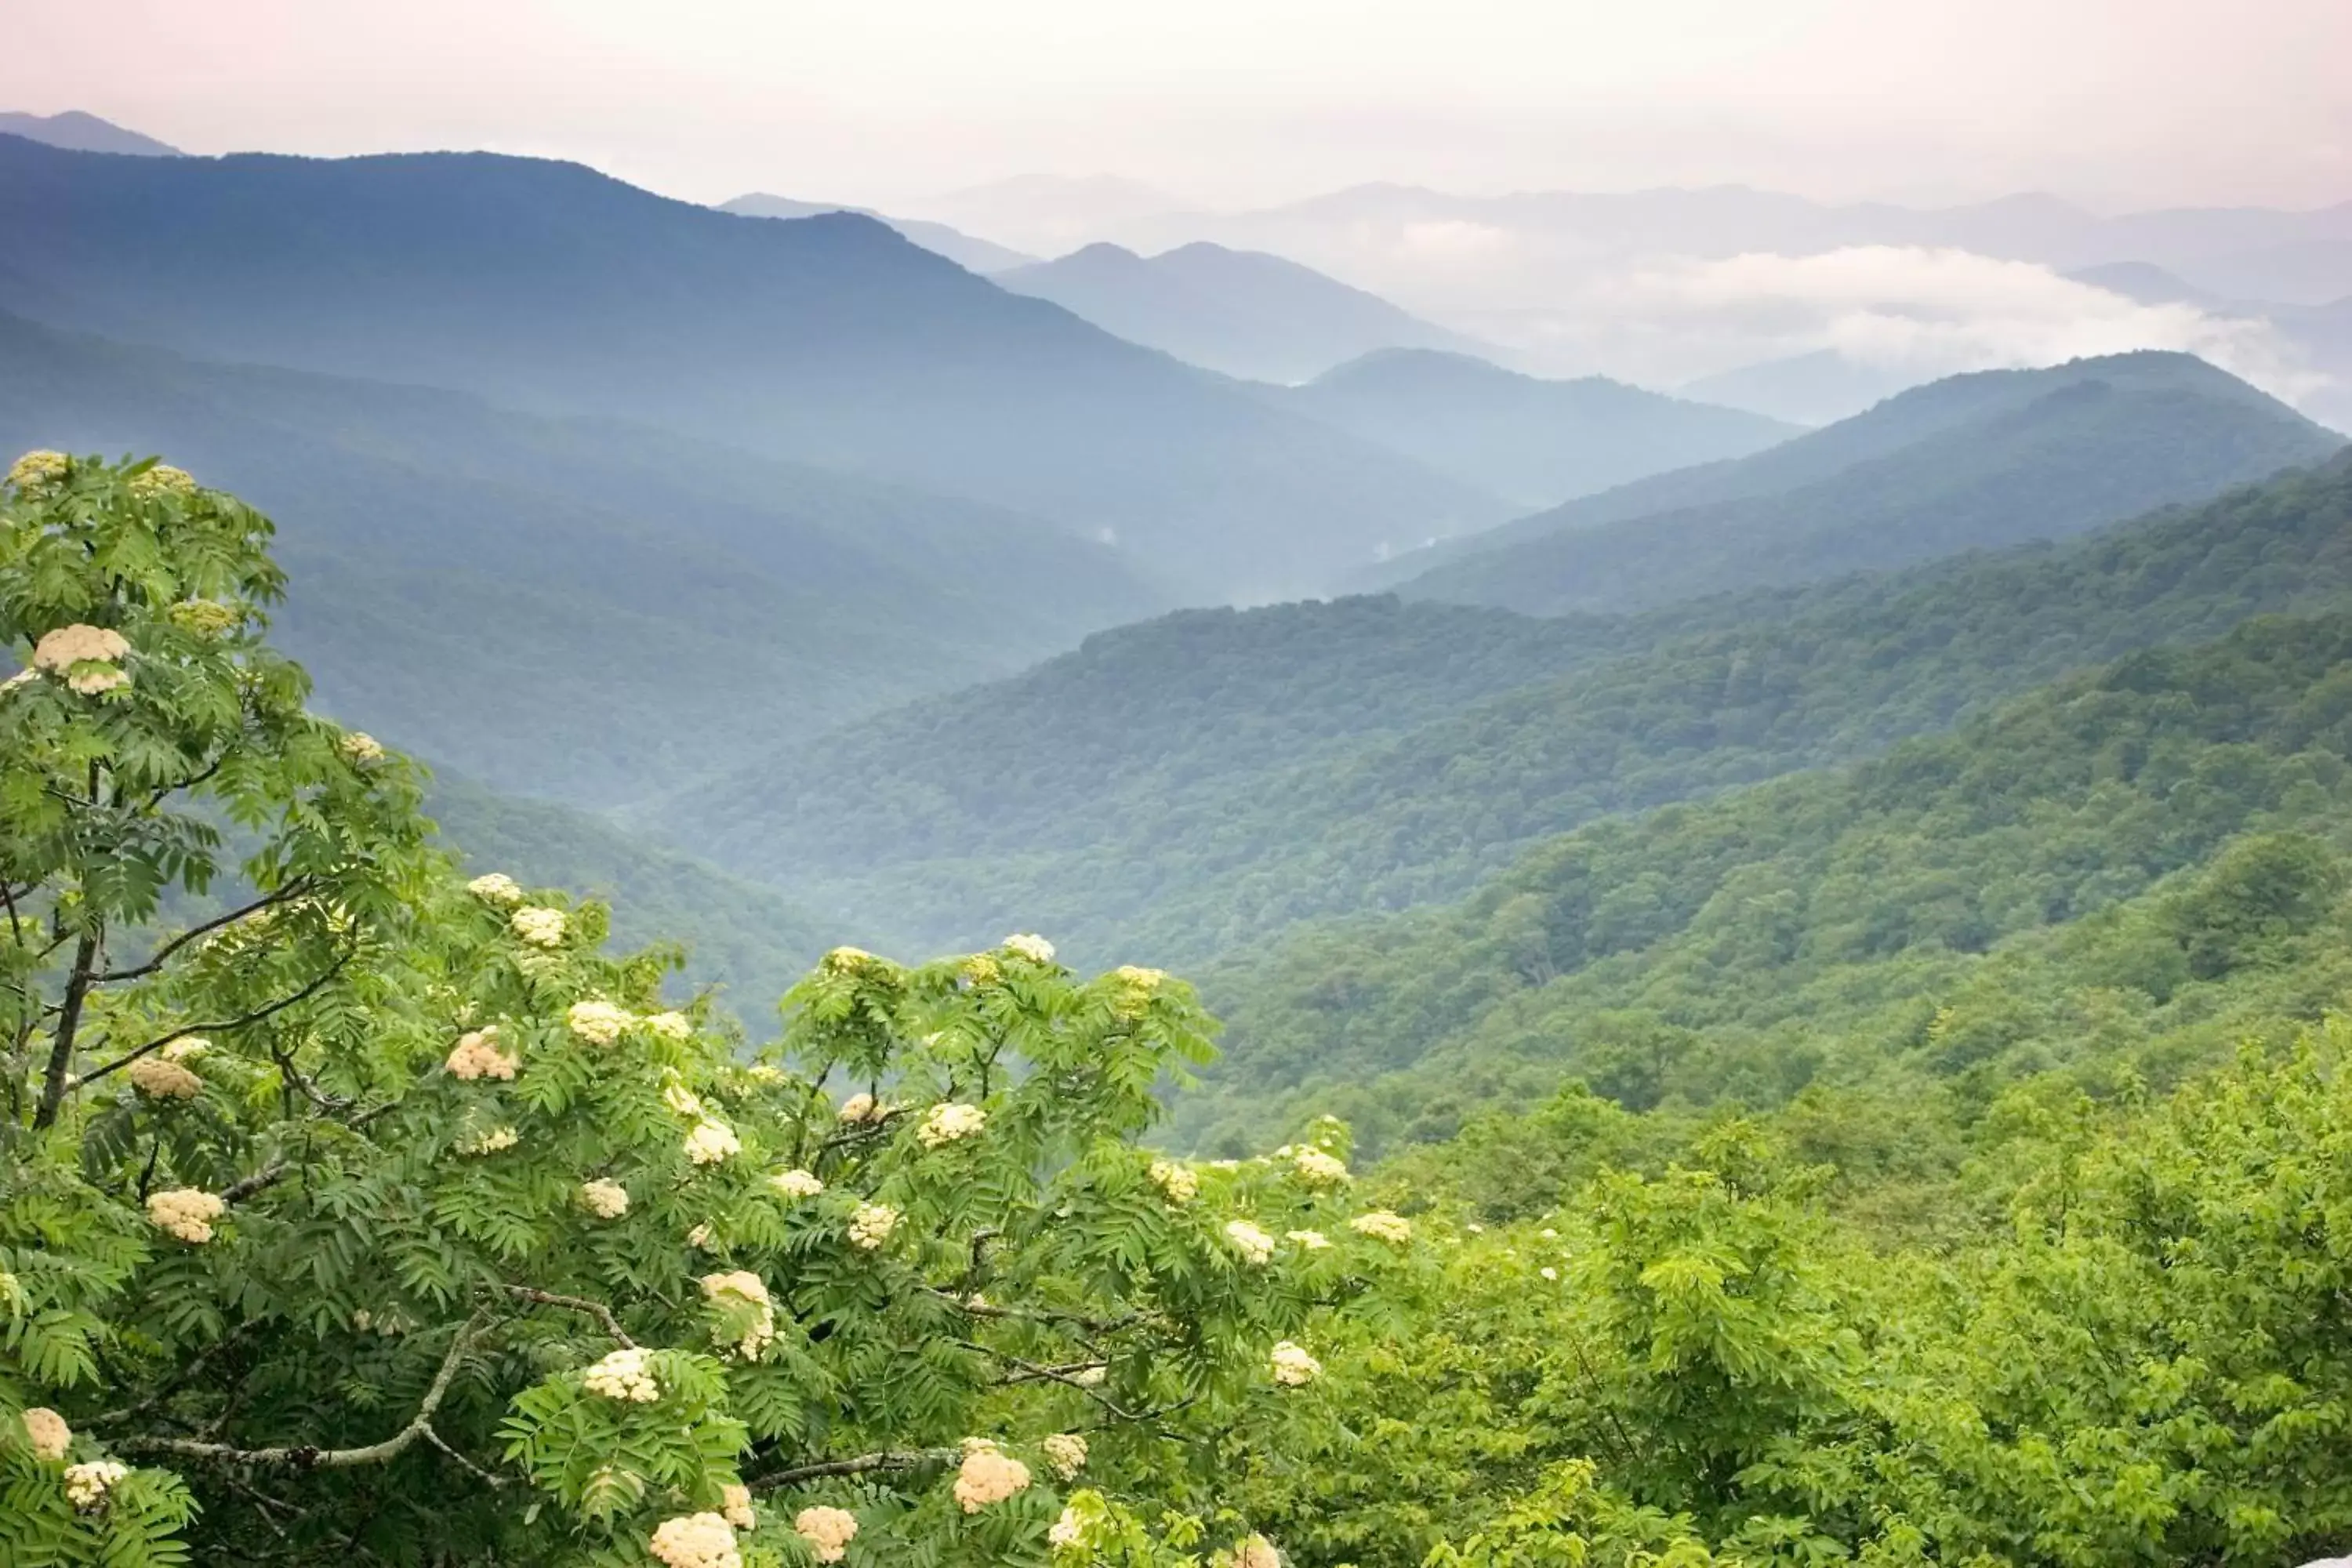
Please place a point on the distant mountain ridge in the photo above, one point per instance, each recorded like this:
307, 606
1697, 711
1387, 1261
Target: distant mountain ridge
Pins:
1535, 441
831, 341
80, 132
1988, 459
967, 251
1243, 313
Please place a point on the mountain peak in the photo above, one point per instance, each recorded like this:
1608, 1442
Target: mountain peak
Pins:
82, 132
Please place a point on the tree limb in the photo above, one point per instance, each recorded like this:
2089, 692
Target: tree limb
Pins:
864, 1463
596, 1309
255, 1016
163, 954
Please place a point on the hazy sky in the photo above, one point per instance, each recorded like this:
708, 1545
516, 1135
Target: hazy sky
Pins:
1229, 102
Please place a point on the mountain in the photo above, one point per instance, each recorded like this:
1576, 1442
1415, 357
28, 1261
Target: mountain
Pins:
1242, 312
1992, 459
1529, 440
1966, 900
579, 609
1818, 388
80, 132
1191, 786
829, 340
967, 251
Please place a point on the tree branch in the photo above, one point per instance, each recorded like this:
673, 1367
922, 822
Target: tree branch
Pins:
302, 1458
255, 1016
864, 1463
596, 1309
163, 954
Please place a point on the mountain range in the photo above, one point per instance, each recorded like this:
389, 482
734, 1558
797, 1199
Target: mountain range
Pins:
1242, 312
967, 251
80, 132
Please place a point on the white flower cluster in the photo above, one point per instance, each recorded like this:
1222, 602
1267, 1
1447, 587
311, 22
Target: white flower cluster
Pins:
48, 1432
1068, 1530
1256, 1552
988, 1476
85, 655
1307, 1240
682, 1099
495, 887
1293, 1367
605, 1199
38, 470
845, 961
1382, 1225
871, 1225
539, 925
699, 1236
696, 1541
623, 1375
735, 1505
1317, 1169
1135, 986
670, 1025
711, 1141
163, 479
494, 1141
741, 1289
1090, 1376
187, 1047
160, 1078
828, 1531
477, 1056
185, 1212
1179, 1183
87, 1485
859, 1108
1252, 1243
597, 1021
1067, 1453
1036, 949
796, 1184
362, 749
948, 1122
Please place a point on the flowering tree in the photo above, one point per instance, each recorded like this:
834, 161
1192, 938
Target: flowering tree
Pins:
349, 1211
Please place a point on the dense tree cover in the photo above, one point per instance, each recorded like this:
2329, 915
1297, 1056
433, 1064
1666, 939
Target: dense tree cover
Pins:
1195, 784
1949, 907
383, 1217
617, 580
2089, 451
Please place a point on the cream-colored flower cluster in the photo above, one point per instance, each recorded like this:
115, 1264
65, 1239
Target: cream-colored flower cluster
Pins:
163, 479
1068, 1530
711, 1141
597, 1021
539, 925
735, 1505
739, 1290
87, 1485
477, 1056
828, 1531
1382, 1225
495, 887
1293, 1367
1317, 1169
696, 1541
699, 1237
160, 1078
1253, 1244
1256, 1552
48, 1432
623, 1375
493, 1141
988, 1475
871, 1225
205, 617
1179, 1183
845, 961
186, 1049
85, 655
1307, 1240
39, 470
1067, 1453
1036, 949
605, 1199
185, 1212
682, 1099
362, 749
862, 1108
949, 1122
669, 1025
796, 1184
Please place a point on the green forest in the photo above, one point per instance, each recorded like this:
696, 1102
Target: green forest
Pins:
1938, 1157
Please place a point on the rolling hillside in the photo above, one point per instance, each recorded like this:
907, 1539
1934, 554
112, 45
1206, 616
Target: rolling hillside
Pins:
1974, 462
1242, 312
580, 610
1191, 786
828, 339
966, 250
1529, 440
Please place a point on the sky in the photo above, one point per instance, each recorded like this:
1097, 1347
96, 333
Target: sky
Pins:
1227, 104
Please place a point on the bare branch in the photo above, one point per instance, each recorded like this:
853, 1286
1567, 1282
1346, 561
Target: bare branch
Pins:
267, 1176
255, 1016
864, 1463
163, 954
479, 1474
596, 1309
308, 1458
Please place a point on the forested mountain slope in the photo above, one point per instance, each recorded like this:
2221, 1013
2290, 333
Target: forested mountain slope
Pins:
583, 610
2094, 441
1140, 797
828, 339
1530, 440
1718, 949
966, 250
